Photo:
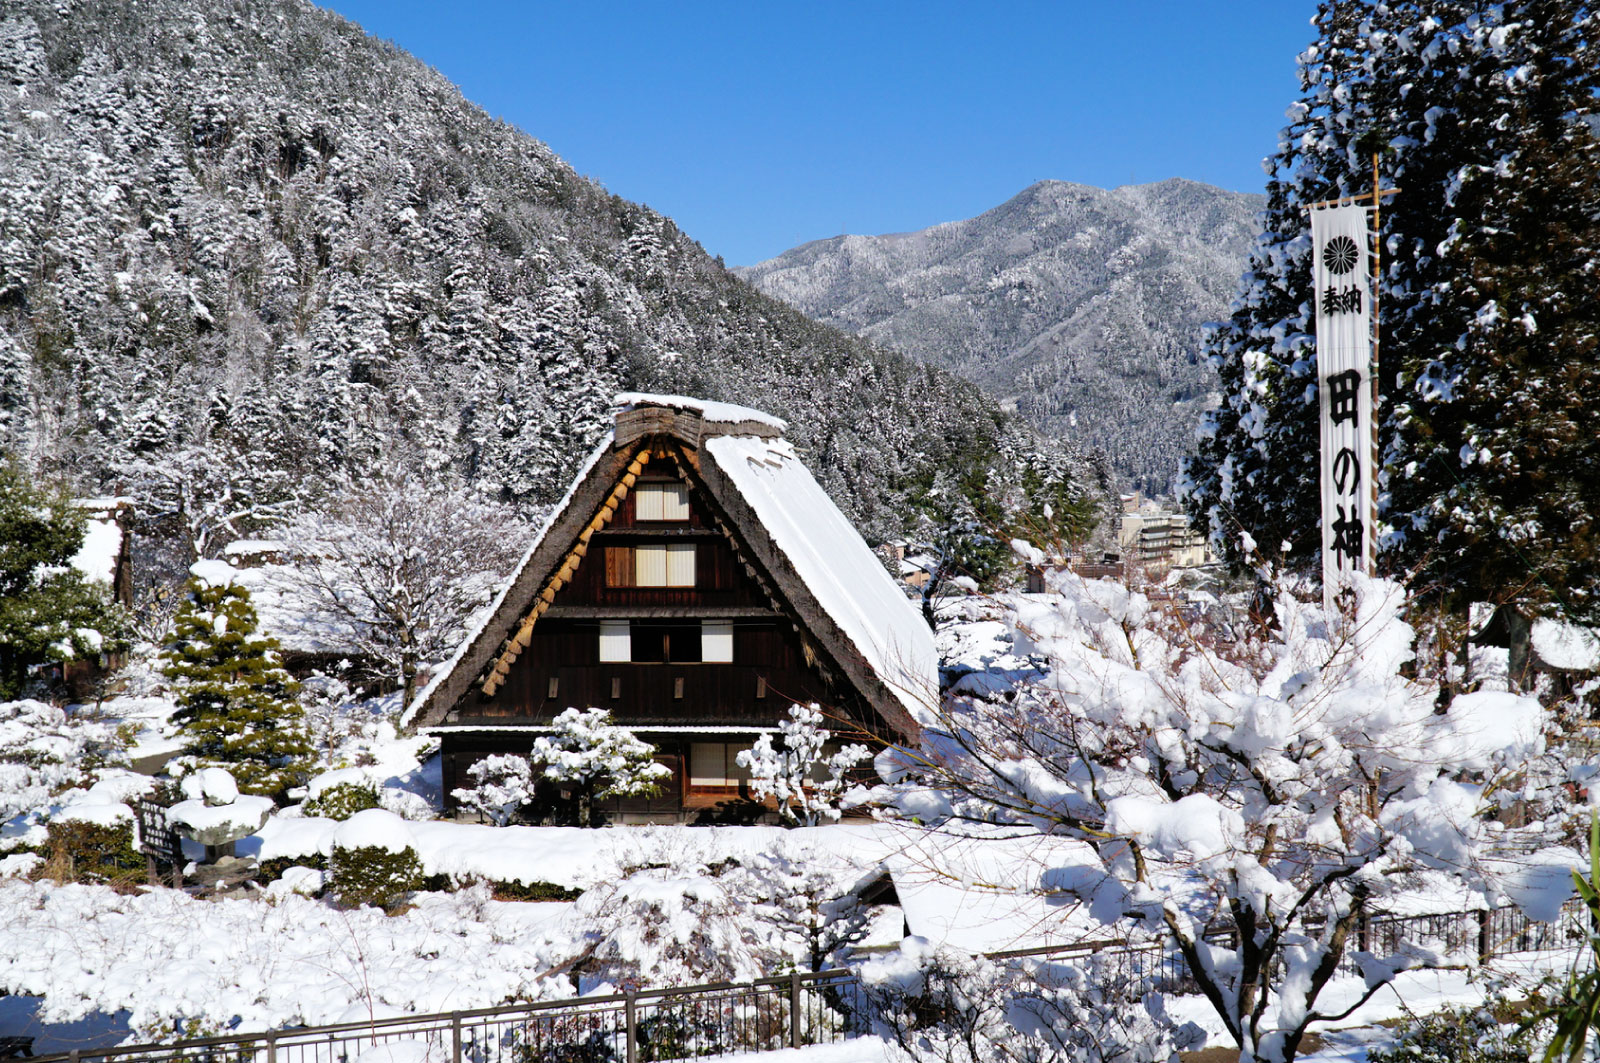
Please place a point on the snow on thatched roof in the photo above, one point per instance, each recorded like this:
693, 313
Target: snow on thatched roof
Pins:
816, 558
835, 565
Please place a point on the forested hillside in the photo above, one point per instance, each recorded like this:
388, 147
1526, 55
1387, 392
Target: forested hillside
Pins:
1081, 306
246, 249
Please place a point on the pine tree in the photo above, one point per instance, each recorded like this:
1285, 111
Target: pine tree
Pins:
48, 612
1503, 496
236, 703
594, 758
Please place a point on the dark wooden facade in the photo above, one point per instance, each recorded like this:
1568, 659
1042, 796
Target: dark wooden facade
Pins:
667, 694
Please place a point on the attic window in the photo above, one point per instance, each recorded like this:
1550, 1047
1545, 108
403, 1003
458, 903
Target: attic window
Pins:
664, 565
661, 501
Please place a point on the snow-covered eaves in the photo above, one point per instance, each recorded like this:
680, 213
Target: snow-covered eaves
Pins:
993, 893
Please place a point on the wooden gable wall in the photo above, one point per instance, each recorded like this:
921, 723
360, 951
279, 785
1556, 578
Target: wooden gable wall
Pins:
560, 667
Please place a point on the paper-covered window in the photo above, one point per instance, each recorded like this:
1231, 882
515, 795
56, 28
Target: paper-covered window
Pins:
716, 641
712, 766
664, 565
661, 501
616, 641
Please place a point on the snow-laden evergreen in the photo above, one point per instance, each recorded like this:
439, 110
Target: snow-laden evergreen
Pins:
1487, 302
594, 758
501, 784
246, 250
237, 708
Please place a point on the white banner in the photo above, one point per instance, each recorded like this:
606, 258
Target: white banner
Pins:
1344, 382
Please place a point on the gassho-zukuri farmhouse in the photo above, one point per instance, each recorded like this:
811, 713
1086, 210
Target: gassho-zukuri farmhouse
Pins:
696, 581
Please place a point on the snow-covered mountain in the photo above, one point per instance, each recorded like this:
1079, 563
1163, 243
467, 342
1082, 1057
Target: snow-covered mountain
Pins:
1080, 306
246, 248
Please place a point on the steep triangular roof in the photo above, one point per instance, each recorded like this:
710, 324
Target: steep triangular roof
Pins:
784, 525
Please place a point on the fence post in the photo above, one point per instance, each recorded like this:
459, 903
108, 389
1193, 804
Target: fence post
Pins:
794, 1009
1485, 942
74, 1054
455, 1037
631, 1017
272, 1046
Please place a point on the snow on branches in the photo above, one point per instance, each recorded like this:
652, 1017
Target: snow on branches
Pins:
1251, 809
804, 779
397, 565
589, 755
501, 784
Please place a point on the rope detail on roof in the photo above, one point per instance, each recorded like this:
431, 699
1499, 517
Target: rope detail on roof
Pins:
524, 635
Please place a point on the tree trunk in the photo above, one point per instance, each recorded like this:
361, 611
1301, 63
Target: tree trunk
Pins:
1519, 667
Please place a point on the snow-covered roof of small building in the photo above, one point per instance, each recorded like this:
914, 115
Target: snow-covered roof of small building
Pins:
708, 409
820, 563
97, 557
992, 893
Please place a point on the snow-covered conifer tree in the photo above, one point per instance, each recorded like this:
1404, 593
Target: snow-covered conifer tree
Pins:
1472, 111
501, 784
236, 703
594, 758
48, 612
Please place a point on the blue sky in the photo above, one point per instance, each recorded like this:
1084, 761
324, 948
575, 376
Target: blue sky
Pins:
760, 125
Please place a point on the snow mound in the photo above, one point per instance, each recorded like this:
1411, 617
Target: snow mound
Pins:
374, 828
214, 786
213, 573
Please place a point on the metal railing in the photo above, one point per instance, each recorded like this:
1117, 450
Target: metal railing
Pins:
643, 1027
769, 1013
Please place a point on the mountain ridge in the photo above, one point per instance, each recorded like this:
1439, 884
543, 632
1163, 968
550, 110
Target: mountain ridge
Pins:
1078, 306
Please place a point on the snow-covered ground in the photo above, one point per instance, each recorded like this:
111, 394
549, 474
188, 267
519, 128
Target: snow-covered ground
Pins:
89, 965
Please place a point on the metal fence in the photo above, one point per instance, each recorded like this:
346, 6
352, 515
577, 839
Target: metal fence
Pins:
770, 1013
657, 1024
1486, 932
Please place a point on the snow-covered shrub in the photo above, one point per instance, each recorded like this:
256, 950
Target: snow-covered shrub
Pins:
593, 758
806, 783
373, 861
43, 752
940, 1004
343, 800
501, 784
1459, 1035
1282, 790
803, 899
666, 927
85, 851
936, 1004
373, 875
